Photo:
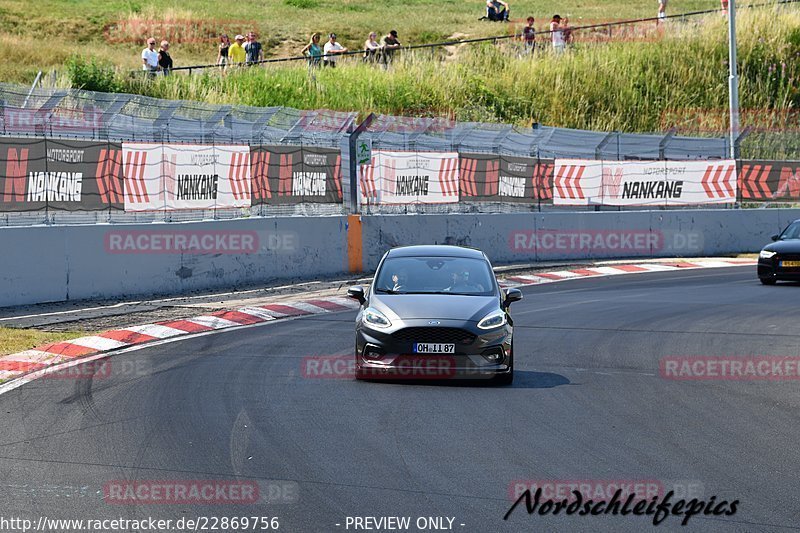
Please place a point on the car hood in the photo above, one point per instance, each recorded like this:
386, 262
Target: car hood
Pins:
434, 306
789, 246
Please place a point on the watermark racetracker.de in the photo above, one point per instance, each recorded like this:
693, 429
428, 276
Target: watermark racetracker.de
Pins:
573, 243
730, 368
99, 369
410, 367
200, 492
199, 242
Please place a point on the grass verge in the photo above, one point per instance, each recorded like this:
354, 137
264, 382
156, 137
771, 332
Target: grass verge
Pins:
13, 340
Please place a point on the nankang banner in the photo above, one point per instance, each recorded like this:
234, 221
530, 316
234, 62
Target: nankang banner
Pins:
502, 178
628, 183
409, 177
769, 180
185, 176
294, 175
61, 175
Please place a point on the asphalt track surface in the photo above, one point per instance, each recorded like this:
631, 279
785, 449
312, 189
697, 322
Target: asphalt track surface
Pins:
588, 403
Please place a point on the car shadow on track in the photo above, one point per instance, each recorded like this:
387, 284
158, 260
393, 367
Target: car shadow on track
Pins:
527, 379
523, 379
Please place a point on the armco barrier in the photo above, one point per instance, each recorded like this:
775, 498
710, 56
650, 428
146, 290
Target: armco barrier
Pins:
526, 237
44, 264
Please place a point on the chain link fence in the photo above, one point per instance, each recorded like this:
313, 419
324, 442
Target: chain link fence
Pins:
542, 143
54, 115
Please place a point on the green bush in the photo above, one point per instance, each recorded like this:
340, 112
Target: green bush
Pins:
302, 4
92, 75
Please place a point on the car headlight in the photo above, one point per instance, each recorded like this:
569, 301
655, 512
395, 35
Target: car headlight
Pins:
493, 320
766, 254
375, 318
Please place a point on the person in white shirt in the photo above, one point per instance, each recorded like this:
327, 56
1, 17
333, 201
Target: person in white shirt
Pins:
150, 57
331, 50
557, 34
372, 47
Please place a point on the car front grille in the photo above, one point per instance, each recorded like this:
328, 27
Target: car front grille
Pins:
442, 335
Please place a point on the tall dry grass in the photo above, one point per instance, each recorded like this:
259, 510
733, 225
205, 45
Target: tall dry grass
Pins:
679, 80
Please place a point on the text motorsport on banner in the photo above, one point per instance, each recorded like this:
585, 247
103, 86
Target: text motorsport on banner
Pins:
185, 176
409, 178
504, 178
296, 175
60, 175
636, 183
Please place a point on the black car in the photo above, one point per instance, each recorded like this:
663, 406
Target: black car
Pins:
780, 260
434, 312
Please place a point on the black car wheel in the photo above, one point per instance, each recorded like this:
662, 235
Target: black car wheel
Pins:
767, 281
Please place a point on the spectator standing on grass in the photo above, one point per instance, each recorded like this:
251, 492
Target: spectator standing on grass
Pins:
389, 45
529, 36
236, 52
724, 6
557, 35
332, 49
313, 50
164, 60
372, 48
566, 30
662, 10
150, 57
497, 10
222, 53
255, 53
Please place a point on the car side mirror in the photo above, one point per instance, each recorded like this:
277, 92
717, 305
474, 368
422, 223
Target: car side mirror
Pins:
512, 295
356, 292
776, 237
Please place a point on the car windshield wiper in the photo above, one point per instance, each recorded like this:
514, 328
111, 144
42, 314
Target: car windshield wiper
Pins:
389, 291
446, 292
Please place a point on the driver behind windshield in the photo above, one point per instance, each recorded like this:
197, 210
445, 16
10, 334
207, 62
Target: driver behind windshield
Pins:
460, 282
399, 281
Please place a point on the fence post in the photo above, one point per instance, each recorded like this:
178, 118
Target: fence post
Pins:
598, 151
662, 144
737, 144
353, 160
737, 153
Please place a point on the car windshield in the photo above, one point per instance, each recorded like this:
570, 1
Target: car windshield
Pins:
792, 232
435, 275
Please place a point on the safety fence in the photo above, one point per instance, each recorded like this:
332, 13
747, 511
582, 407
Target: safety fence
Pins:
70, 175
81, 157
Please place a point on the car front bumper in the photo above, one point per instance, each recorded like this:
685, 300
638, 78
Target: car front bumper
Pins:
389, 354
771, 269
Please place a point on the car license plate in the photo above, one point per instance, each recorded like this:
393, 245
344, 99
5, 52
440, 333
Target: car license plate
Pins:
790, 264
434, 347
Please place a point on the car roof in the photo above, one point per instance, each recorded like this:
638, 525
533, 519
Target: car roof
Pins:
432, 250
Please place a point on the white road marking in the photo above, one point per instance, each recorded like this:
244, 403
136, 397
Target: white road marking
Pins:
154, 330
98, 343
213, 322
